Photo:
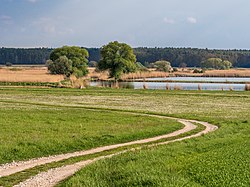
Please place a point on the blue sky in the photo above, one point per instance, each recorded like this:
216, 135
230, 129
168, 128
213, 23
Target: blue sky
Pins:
152, 23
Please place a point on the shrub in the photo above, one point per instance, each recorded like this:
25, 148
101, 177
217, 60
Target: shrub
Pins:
162, 65
247, 87
8, 64
216, 63
198, 71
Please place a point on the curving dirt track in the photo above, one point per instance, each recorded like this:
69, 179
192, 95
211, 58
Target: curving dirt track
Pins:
53, 176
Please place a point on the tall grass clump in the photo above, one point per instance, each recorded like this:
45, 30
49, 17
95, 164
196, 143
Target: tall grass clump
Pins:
145, 86
199, 87
247, 87
178, 87
168, 87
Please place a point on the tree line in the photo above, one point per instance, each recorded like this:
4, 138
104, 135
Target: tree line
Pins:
192, 57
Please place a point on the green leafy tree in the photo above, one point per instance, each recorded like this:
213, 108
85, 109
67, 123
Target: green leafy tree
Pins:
77, 61
216, 63
62, 66
227, 64
118, 58
162, 65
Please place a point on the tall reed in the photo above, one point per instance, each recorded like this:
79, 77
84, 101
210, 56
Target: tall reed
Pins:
199, 87
168, 87
247, 87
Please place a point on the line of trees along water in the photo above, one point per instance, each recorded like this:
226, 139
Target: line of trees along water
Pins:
192, 57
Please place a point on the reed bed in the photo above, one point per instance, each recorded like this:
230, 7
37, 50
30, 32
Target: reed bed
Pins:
215, 73
142, 75
228, 73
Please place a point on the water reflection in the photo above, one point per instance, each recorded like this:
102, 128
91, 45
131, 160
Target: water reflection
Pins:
170, 86
202, 79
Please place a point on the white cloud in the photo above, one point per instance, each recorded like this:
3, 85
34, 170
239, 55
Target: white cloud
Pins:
6, 19
192, 20
168, 20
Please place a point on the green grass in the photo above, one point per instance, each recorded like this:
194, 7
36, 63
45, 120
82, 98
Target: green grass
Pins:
29, 131
217, 159
24, 175
42, 84
205, 161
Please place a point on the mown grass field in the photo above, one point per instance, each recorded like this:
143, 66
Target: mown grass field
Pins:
217, 159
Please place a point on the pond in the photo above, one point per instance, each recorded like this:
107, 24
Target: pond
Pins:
172, 86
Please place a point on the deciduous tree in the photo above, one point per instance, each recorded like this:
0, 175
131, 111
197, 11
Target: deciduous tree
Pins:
117, 58
76, 61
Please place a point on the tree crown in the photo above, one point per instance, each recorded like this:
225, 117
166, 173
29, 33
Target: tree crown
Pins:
118, 58
77, 61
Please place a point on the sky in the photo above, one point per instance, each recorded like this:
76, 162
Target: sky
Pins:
214, 24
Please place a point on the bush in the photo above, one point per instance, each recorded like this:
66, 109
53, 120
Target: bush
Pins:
198, 71
216, 63
162, 66
175, 69
93, 64
8, 64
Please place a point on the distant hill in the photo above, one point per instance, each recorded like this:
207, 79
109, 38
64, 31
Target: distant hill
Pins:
190, 56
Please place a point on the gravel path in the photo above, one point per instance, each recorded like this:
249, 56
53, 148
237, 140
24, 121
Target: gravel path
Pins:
14, 167
53, 176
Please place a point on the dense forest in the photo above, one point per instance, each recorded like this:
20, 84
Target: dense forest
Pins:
190, 56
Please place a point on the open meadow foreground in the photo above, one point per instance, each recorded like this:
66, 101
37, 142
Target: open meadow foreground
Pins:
122, 137
124, 93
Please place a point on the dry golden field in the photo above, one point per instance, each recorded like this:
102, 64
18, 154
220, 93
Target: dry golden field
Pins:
27, 74
40, 74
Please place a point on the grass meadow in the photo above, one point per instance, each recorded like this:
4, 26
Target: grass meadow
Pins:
29, 131
217, 159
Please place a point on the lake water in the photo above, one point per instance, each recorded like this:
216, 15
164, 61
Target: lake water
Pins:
175, 85
202, 79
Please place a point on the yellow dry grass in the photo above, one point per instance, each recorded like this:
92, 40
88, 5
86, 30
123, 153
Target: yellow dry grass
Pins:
146, 74
28, 74
216, 73
229, 73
